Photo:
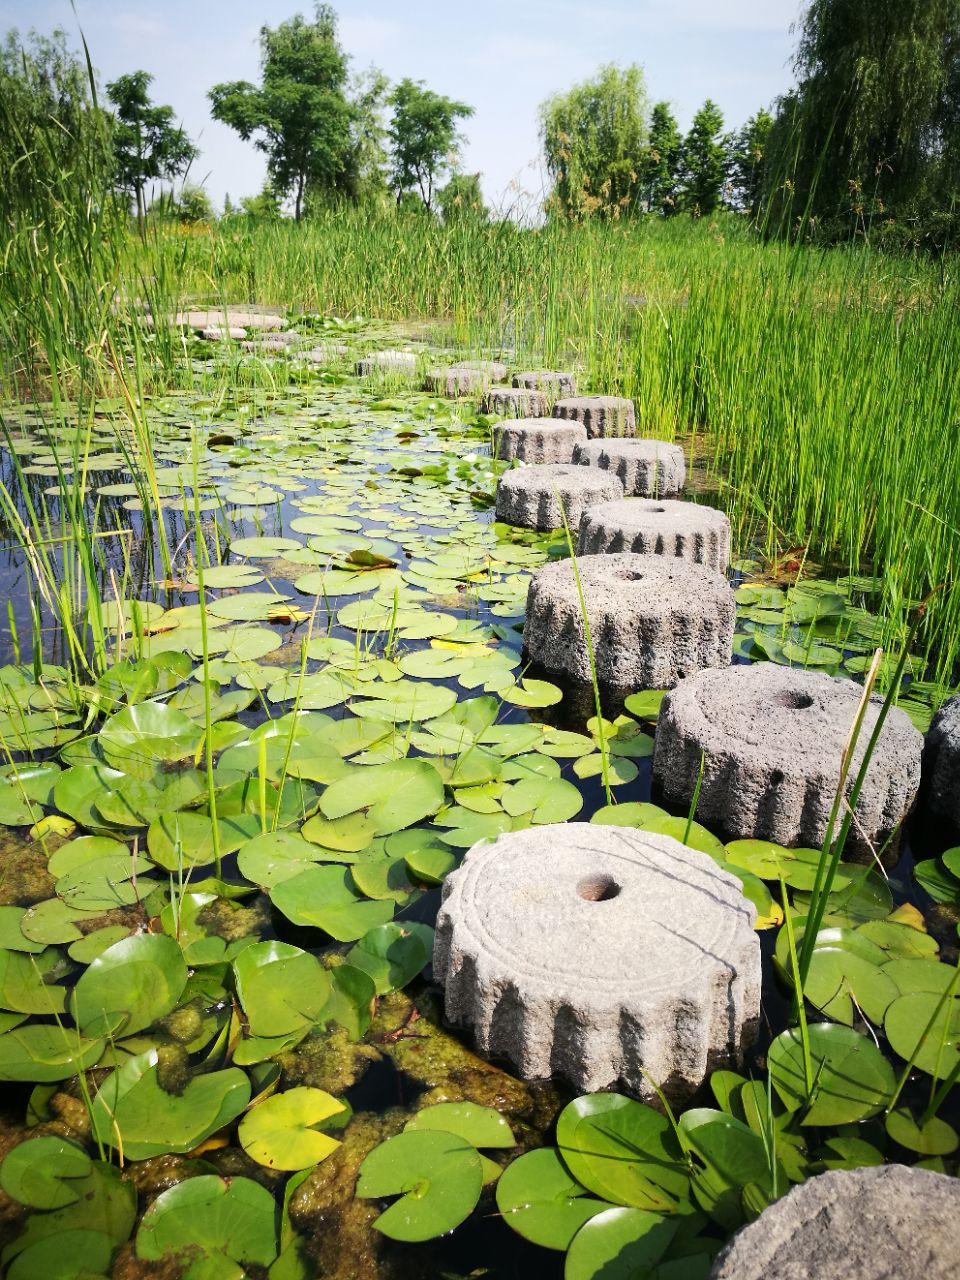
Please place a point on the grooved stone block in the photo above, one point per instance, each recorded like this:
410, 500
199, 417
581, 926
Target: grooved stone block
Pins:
456, 382
534, 497
272, 342
653, 620
647, 468
601, 415
885, 1222
216, 333
773, 738
941, 762
515, 402
326, 353
588, 952
552, 381
401, 363
235, 318
649, 526
493, 370
538, 440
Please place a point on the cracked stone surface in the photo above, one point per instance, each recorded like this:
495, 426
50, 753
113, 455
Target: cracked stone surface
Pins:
653, 620
553, 381
515, 402
538, 440
601, 415
773, 738
534, 497
941, 762
397, 362
590, 952
493, 370
885, 1222
657, 527
646, 468
454, 382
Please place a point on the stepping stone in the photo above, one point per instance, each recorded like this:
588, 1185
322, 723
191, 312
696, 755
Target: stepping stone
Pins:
454, 382
550, 380
216, 333
601, 415
213, 318
272, 342
493, 370
653, 620
684, 530
328, 353
941, 762
590, 952
386, 362
515, 402
538, 440
885, 1222
535, 497
647, 468
773, 738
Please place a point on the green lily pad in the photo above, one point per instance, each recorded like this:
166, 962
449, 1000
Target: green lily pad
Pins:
285, 1130
437, 1175
925, 1027
148, 732
282, 989
130, 985
325, 898
541, 1202
392, 796
544, 799
852, 1080
210, 1217
393, 954
481, 1126
43, 1172
620, 1244
40, 1053
933, 1137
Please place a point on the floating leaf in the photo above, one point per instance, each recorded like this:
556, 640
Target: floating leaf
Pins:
211, 1217
281, 988
392, 796
43, 1172
852, 1080
284, 1131
619, 1244
392, 954
130, 985
437, 1175
540, 1200
325, 898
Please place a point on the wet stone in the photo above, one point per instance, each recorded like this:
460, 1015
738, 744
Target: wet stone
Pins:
877, 1223
653, 620
552, 381
650, 526
515, 402
941, 762
601, 415
402, 363
538, 440
598, 953
536, 497
456, 382
772, 739
646, 468
492, 370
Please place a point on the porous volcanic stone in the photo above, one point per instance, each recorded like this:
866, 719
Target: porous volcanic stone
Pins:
326, 353
386, 362
515, 402
886, 1222
647, 468
653, 620
235, 318
772, 738
534, 497
272, 343
552, 381
590, 952
456, 382
601, 415
683, 530
216, 333
538, 440
941, 762
493, 370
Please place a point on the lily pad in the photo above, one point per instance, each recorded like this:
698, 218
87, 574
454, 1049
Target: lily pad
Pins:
541, 1201
325, 898
130, 985
852, 1080
211, 1217
438, 1177
285, 1130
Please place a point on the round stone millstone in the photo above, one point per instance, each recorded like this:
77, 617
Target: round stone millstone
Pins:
653, 620
536, 497
772, 739
590, 952
646, 468
538, 440
456, 382
601, 415
386, 362
216, 333
885, 1222
327, 353
515, 402
493, 370
651, 526
552, 381
941, 762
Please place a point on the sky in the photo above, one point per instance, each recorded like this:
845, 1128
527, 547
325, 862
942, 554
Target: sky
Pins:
502, 57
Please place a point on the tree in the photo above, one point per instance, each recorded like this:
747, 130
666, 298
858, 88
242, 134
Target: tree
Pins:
595, 141
263, 207
299, 116
147, 145
423, 137
368, 137
746, 162
461, 200
661, 164
704, 160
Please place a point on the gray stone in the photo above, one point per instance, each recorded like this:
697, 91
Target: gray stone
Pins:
456, 382
885, 1222
217, 333
538, 440
773, 738
684, 530
326, 353
647, 468
601, 415
213, 318
493, 370
515, 402
272, 343
399, 363
590, 952
535, 497
653, 620
941, 762
552, 381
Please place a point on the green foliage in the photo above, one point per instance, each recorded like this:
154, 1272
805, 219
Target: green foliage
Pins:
461, 199
147, 145
661, 163
423, 138
704, 161
747, 163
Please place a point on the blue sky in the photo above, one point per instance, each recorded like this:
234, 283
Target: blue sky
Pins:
504, 58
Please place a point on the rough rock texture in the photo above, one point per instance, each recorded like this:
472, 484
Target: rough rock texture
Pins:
273, 342
534, 497
386, 362
515, 402
217, 333
552, 381
653, 620
494, 370
886, 1222
773, 738
941, 762
647, 468
589, 952
326, 353
685, 530
538, 440
601, 415
235, 318
456, 382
